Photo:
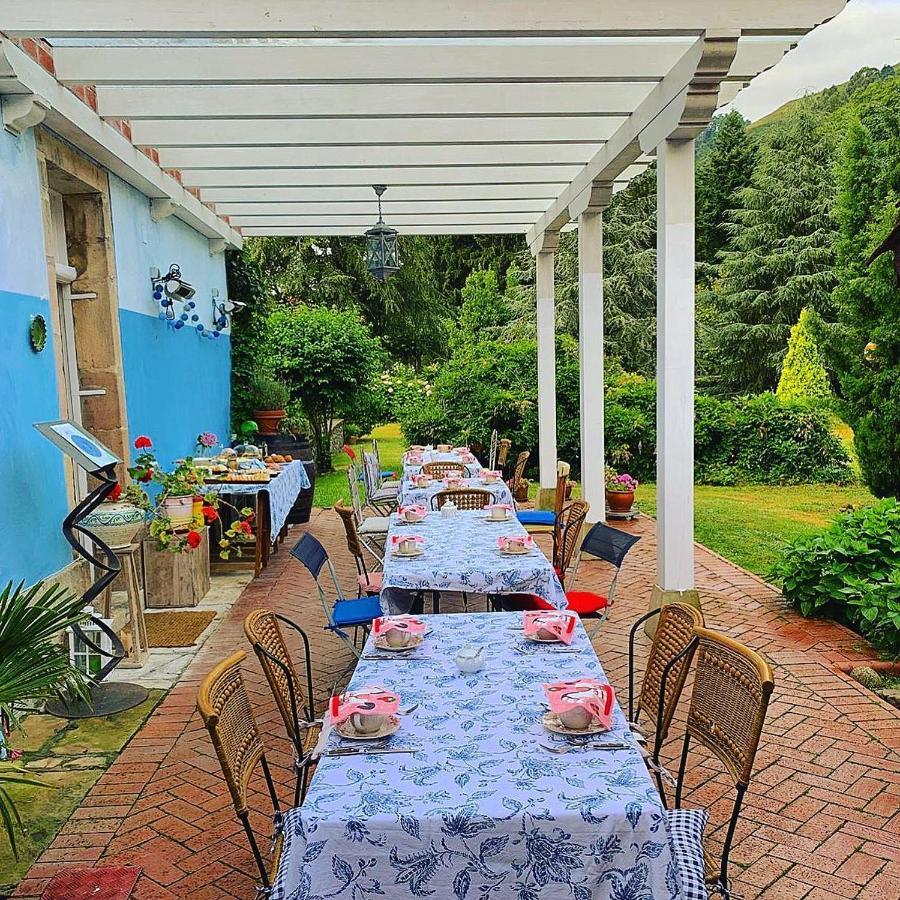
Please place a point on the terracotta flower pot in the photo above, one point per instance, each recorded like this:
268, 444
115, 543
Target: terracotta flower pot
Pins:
268, 420
180, 511
620, 501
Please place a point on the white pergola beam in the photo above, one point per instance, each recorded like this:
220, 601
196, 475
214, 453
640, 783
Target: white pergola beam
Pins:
362, 221
386, 62
351, 230
349, 18
246, 158
367, 207
303, 101
366, 177
363, 132
224, 197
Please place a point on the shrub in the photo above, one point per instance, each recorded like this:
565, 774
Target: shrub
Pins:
267, 393
850, 572
803, 375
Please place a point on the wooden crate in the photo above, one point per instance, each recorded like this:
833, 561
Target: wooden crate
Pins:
175, 579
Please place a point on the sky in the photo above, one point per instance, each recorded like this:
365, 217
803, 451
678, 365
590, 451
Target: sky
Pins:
865, 33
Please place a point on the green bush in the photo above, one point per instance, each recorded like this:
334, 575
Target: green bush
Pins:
850, 572
803, 375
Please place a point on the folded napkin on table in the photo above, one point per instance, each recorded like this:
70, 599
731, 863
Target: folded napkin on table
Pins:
560, 623
588, 693
507, 540
416, 508
398, 539
410, 624
500, 506
375, 701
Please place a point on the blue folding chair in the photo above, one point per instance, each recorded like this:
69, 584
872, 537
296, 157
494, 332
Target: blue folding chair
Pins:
342, 612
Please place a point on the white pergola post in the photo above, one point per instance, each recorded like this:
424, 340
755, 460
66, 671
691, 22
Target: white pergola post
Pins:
675, 371
590, 356
546, 363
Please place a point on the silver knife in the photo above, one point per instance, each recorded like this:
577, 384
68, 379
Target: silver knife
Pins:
374, 656
369, 751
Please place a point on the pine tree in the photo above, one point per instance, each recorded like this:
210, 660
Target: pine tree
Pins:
803, 375
779, 255
867, 295
725, 165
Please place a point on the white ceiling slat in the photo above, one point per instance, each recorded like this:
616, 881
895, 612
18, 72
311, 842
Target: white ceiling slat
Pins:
446, 175
349, 18
355, 231
364, 221
387, 62
301, 101
247, 158
340, 195
392, 207
364, 132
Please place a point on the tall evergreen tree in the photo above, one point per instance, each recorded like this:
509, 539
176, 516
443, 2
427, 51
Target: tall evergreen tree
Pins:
724, 166
865, 346
780, 253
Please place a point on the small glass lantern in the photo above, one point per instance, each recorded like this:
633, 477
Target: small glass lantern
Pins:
382, 250
84, 657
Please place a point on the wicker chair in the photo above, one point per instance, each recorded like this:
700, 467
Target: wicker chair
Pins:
503, 452
367, 582
343, 612
443, 469
463, 498
228, 715
294, 702
545, 521
729, 700
518, 472
566, 536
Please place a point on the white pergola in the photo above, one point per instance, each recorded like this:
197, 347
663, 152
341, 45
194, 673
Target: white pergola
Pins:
505, 116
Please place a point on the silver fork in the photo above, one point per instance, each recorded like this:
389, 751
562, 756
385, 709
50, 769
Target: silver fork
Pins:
566, 748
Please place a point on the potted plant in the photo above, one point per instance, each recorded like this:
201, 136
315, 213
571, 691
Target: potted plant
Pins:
620, 490
117, 520
270, 397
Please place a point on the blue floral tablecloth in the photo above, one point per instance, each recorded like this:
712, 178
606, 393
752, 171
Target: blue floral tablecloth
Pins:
461, 554
472, 469
410, 494
482, 812
283, 491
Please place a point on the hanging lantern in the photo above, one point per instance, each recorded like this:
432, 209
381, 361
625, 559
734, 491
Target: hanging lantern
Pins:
81, 655
382, 252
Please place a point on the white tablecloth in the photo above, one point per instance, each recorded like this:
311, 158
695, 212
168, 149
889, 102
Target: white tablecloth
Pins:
482, 811
410, 494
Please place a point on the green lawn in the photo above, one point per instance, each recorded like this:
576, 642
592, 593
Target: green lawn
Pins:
332, 486
745, 524
749, 524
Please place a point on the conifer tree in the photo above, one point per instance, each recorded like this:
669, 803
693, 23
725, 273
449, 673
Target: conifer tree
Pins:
803, 375
780, 253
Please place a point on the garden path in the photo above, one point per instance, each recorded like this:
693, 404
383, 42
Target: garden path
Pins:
821, 819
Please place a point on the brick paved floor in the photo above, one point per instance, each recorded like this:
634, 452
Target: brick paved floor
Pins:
821, 821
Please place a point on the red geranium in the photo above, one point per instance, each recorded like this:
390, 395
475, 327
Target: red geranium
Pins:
210, 514
242, 526
142, 442
193, 539
146, 476
115, 493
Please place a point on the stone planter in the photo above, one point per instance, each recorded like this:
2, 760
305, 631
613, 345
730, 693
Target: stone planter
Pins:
268, 420
179, 511
116, 524
620, 501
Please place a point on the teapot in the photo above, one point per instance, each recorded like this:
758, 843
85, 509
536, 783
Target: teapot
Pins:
470, 658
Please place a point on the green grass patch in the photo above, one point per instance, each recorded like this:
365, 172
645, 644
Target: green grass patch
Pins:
332, 486
750, 524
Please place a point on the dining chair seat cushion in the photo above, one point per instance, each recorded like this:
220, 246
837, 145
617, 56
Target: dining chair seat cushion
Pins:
685, 828
536, 517
374, 525
388, 473
385, 494
355, 611
371, 583
586, 603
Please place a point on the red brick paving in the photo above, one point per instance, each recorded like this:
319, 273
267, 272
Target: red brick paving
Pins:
822, 816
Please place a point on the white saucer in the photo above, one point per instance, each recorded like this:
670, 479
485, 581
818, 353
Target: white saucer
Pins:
346, 730
407, 555
551, 722
382, 644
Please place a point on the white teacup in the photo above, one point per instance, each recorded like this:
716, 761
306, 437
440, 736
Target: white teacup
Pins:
443, 448
405, 548
398, 638
546, 635
412, 515
499, 514
489, 479
367, 723
577, 718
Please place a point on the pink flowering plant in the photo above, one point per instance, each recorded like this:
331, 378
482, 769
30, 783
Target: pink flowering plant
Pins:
620, 484
206, 441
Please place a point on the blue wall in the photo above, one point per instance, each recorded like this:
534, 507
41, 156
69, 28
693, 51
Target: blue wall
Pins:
32, 476
177, 384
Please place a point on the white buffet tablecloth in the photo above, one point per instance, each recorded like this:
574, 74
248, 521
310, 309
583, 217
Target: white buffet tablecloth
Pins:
461, 554
482, 812
283, 491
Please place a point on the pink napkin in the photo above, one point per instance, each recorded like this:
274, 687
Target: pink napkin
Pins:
410, 624
414, 458
561, 623
500, 506
589, 693
491, 473
414, 508
374, 701
421, 480
460, 449
526, 540
453, 480
398, 539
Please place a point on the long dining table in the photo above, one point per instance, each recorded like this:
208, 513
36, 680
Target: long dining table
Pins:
473, 806
460, 553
